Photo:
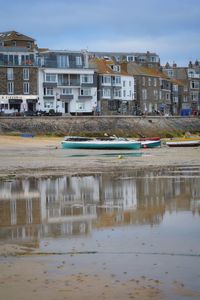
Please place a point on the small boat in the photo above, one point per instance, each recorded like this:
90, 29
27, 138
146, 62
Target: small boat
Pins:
156, 138
183, 143
150, 143
72, 142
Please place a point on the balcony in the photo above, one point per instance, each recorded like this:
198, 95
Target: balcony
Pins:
72, 82
66, 97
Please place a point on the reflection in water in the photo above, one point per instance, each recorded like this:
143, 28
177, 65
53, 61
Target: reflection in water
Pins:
31, 209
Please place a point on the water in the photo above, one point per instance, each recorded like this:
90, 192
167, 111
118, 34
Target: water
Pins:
141, 223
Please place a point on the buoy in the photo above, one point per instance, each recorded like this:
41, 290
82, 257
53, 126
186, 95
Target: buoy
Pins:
120, 156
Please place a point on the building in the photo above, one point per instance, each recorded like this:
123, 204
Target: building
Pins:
18, 73
66, 84
147, 59
115, 88
153, 90
189, 77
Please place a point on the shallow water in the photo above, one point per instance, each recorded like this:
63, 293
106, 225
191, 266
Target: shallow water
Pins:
131, 224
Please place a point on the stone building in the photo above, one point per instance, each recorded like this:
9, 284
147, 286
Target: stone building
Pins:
189, 77
18, 73
153, 90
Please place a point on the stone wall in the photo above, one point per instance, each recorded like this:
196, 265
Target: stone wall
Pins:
98, 125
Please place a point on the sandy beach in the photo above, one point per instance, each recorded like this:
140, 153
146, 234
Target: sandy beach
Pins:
26, 276
41, 156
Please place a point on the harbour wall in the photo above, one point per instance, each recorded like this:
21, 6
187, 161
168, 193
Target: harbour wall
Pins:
129, 126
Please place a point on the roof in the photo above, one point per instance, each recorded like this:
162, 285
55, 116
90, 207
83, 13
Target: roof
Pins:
14, 35
104, 67
178, 82
136, 69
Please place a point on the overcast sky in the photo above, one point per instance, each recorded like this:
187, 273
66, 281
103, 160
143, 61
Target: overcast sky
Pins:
171, 28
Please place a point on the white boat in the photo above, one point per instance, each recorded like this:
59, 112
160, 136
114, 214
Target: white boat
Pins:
72, 142
183, 143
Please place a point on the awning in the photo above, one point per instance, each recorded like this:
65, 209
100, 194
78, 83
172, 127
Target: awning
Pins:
15, 101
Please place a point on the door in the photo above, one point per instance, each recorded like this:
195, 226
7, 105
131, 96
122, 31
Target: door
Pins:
66, 107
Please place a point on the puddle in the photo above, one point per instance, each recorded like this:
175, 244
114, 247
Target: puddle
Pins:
130, 224
114, 154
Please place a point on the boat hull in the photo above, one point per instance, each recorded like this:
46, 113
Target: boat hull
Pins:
101, 145
183, 143
150, 143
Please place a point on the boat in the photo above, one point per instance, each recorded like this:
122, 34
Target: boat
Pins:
74, 142
183, 143
150, 143
156, 138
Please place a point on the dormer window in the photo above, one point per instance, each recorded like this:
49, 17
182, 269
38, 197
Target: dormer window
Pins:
28, 44
14, 43
115, 68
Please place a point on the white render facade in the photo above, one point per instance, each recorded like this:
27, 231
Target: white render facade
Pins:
67, 91
66, 84
118, 92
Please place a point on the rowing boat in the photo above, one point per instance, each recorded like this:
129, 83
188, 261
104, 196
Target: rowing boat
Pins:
72, 142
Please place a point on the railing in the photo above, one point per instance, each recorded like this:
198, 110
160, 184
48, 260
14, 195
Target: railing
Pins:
72, 82
17, 64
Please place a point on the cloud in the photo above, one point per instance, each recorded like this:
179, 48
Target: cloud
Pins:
154, 25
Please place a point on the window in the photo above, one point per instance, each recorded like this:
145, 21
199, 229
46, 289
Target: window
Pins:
117, 93
117, 79
48, 91
85, 92
106, 93
10, 74
106, 79
130, 83
149, 81
14, 43
28, 45
10, 87
155, 82
86, 78
143, 81
78, 60
63, 61
48, 104
80, 105
26, 74
130, 58
194, 85
144, 94
26, 87
167, 96
50, 77
66, 91
124, 93
155, 93
194, 96
115, 68
113, 105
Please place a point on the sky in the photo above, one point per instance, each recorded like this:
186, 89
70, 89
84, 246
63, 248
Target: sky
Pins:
169, 28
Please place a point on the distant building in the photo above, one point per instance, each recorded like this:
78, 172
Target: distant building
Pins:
153, 90
18, 73
115, 88
190, 79
147, 59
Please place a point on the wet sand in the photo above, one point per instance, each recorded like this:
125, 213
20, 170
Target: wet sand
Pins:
42, 156
25, 276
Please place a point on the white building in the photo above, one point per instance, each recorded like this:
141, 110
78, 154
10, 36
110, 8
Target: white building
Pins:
66, 84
